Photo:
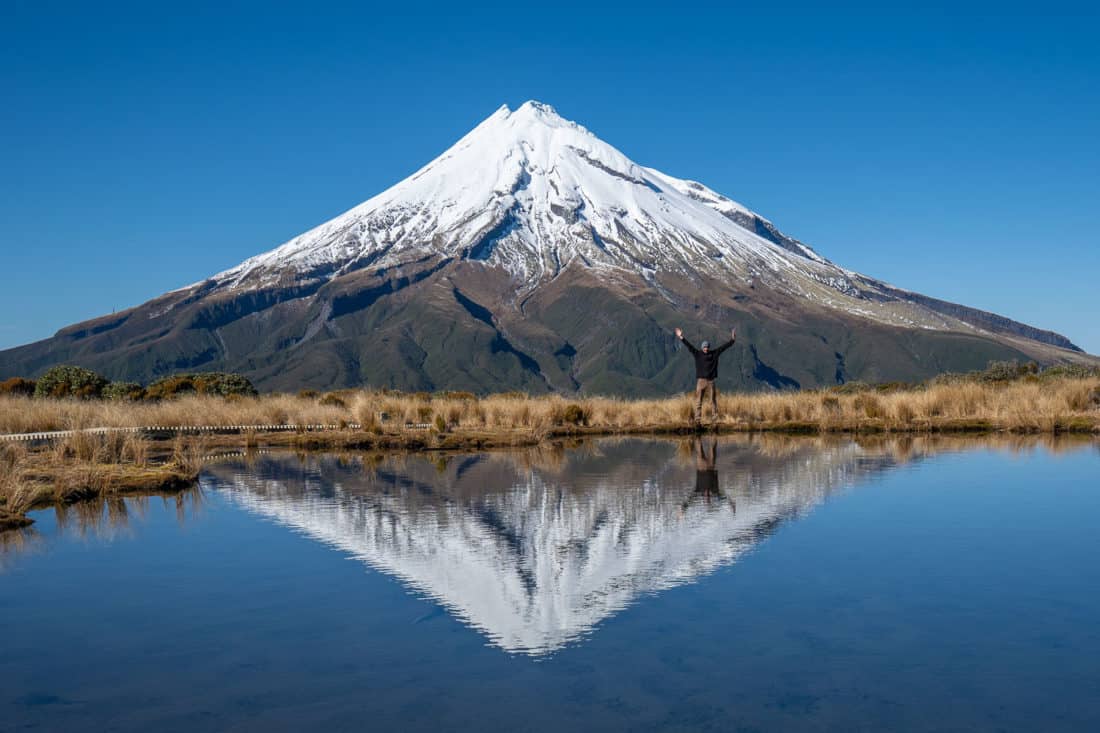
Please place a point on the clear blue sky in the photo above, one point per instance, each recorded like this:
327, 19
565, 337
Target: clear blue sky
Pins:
953, 152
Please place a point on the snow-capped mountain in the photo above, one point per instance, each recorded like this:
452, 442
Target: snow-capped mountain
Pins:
532, 193
532, 255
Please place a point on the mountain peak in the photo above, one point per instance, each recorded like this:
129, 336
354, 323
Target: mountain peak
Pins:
532, 111
532, 192
541, 111
528, 116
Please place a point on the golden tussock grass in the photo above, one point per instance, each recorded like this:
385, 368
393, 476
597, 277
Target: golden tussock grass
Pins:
86, 465
1025, 406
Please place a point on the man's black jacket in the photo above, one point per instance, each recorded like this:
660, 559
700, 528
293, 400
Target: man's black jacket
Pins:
706, 363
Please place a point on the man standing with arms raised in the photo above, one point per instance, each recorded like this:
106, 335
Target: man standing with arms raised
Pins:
706, 371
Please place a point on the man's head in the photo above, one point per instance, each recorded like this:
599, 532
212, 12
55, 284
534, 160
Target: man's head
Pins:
706, 346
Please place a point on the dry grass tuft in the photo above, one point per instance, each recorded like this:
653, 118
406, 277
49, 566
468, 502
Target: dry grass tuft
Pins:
188, 454
13, 466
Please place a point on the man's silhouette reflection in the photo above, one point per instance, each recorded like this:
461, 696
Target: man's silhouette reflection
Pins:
706, 474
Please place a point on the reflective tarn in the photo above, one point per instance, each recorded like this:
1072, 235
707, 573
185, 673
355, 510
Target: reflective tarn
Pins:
620, 584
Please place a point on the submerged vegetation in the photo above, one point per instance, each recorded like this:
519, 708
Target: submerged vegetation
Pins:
1006, 398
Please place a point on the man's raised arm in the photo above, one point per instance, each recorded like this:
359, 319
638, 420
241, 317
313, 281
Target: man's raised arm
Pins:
680, 335
723, 347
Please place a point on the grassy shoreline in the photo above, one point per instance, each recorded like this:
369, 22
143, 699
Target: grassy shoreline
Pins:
85, 465
90, 466
1023, 405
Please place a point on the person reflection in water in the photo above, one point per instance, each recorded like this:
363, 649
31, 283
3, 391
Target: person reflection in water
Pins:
706, 475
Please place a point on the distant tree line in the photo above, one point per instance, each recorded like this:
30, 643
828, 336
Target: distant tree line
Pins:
77, 382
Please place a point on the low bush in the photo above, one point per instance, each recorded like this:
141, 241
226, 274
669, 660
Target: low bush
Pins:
123, 391
1005, 371
1070, 371
207, 383
17, 386
70, 381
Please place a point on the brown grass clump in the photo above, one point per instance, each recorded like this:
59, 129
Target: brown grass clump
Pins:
17, 386
13, 464
187, 455
87, 465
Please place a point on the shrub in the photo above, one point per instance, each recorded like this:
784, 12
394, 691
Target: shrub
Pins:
225, 384
333, 400
440, 424
1005, 371
211, 383
70, 381
308, 394
17, 386
1070, 371
170, 387
123, 391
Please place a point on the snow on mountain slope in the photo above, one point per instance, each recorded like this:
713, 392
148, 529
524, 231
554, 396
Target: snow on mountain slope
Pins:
532, 192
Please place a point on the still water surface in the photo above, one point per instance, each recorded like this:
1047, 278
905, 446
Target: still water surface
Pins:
737, 584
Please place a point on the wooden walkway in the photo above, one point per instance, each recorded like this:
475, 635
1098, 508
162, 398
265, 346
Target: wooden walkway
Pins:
190, 430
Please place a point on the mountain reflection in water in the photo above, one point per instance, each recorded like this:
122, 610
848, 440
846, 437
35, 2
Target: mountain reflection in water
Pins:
536, 547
